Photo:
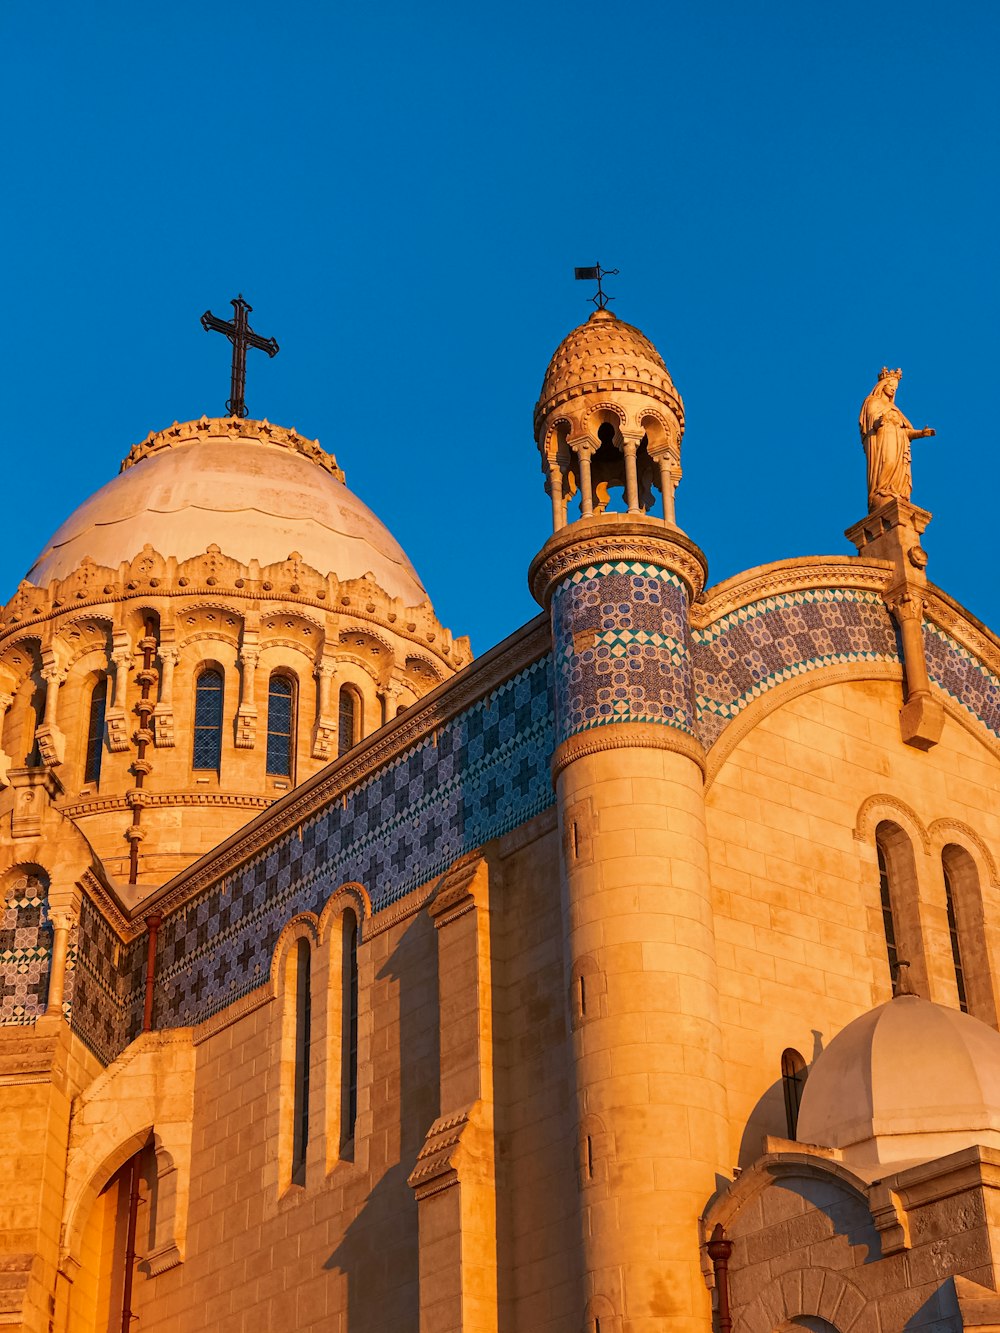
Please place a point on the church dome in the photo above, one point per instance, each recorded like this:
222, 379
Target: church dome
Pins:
605, 355
910, 1080
256, 491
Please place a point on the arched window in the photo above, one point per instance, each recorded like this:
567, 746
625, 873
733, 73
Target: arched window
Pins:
348, 719
349, 1034
956, 947
280, 726
793, 1081
208, 719
303, 1026
888, 920
95, 732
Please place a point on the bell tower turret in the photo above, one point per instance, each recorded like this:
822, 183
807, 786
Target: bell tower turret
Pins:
638, 930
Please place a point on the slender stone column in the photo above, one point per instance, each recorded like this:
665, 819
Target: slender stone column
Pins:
630, 446
246, 713
5, 760
51, 741
556, 489
325, 732
638, 927
62, 924
584, 448
163, 714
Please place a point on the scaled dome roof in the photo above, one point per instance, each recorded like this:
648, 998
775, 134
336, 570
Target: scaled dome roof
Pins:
257, 491
605, 353
909, 1080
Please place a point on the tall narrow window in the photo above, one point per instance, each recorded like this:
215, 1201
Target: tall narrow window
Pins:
303, 1025
956, 948
347, 719
888, 923
95, 732
280, 712
349, 1036
208, 719
793, 1080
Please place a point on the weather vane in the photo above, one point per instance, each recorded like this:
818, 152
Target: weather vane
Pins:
242, 336
595, 274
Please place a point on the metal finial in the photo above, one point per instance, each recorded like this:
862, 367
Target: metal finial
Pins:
242, 336
595, 274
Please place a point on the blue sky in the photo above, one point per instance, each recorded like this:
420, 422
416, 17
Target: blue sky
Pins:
795, 195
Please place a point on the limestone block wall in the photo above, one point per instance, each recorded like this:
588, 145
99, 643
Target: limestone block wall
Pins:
792, 819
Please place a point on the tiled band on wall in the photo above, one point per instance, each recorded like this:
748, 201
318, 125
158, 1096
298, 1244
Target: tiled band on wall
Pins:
25, 950
621, 649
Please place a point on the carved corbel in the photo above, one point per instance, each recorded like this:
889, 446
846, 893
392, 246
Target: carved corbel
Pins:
34, 791
921, 718
51, 741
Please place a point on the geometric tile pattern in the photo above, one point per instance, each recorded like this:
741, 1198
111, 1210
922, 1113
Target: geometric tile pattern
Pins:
484, 773
25, 951
741, 656
100, 987
954, 669
621, 646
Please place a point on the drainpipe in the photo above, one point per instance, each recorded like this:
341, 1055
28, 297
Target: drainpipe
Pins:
720, 1248
133, 1213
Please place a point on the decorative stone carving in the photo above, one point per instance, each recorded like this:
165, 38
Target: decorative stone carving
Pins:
886, 436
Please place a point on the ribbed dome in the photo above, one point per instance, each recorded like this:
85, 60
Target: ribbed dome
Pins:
605, 353
910, 1080
255, 490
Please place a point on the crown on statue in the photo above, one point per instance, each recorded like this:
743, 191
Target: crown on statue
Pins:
886, 374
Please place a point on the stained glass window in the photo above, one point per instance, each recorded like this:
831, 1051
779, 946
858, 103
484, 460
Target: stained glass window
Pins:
280, 698
208, 719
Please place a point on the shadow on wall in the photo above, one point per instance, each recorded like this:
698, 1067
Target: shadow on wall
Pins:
379, 1253
938, 1314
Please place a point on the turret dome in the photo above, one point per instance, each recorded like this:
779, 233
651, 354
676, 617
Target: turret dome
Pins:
605, 355
908, 1081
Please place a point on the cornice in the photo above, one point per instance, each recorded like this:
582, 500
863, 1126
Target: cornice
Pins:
231, 428
971, 633
611, 540
419, 722
98, 805
627, 736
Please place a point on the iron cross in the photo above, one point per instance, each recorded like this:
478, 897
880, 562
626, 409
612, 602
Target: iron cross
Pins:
242, 336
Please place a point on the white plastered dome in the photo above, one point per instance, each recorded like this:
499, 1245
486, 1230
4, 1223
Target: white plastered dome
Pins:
909, 1081
256, 491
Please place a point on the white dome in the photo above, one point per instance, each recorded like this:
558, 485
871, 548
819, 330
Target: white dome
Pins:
256, 491
908, 1081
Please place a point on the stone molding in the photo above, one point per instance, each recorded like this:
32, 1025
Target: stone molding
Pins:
627, 736
96, 805
939, 830
232, 428
971, 633
612, 539
876, 807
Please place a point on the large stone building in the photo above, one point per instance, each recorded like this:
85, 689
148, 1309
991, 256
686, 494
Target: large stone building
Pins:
352, 984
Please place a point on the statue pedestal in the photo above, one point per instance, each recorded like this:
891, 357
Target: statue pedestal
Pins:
893, 532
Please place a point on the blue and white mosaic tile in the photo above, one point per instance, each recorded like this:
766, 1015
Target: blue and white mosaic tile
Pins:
956, 671
743, 655
621, 649
25, 951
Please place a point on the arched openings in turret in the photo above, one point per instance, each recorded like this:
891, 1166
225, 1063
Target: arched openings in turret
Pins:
658, 464
281, 712
209, 702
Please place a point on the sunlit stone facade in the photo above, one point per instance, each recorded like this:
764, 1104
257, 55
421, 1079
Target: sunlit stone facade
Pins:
349, 983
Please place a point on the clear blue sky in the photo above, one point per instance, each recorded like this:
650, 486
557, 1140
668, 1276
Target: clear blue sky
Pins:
795, 194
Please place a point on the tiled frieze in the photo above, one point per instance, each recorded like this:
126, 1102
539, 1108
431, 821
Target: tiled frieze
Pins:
483, 774
962, 675
99, 984
741, 656
25, 951
621, 648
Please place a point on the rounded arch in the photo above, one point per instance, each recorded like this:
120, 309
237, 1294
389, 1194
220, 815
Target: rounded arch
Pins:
884, 808
737, 728
943, 832
789, 1303
303, 926
349, 897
